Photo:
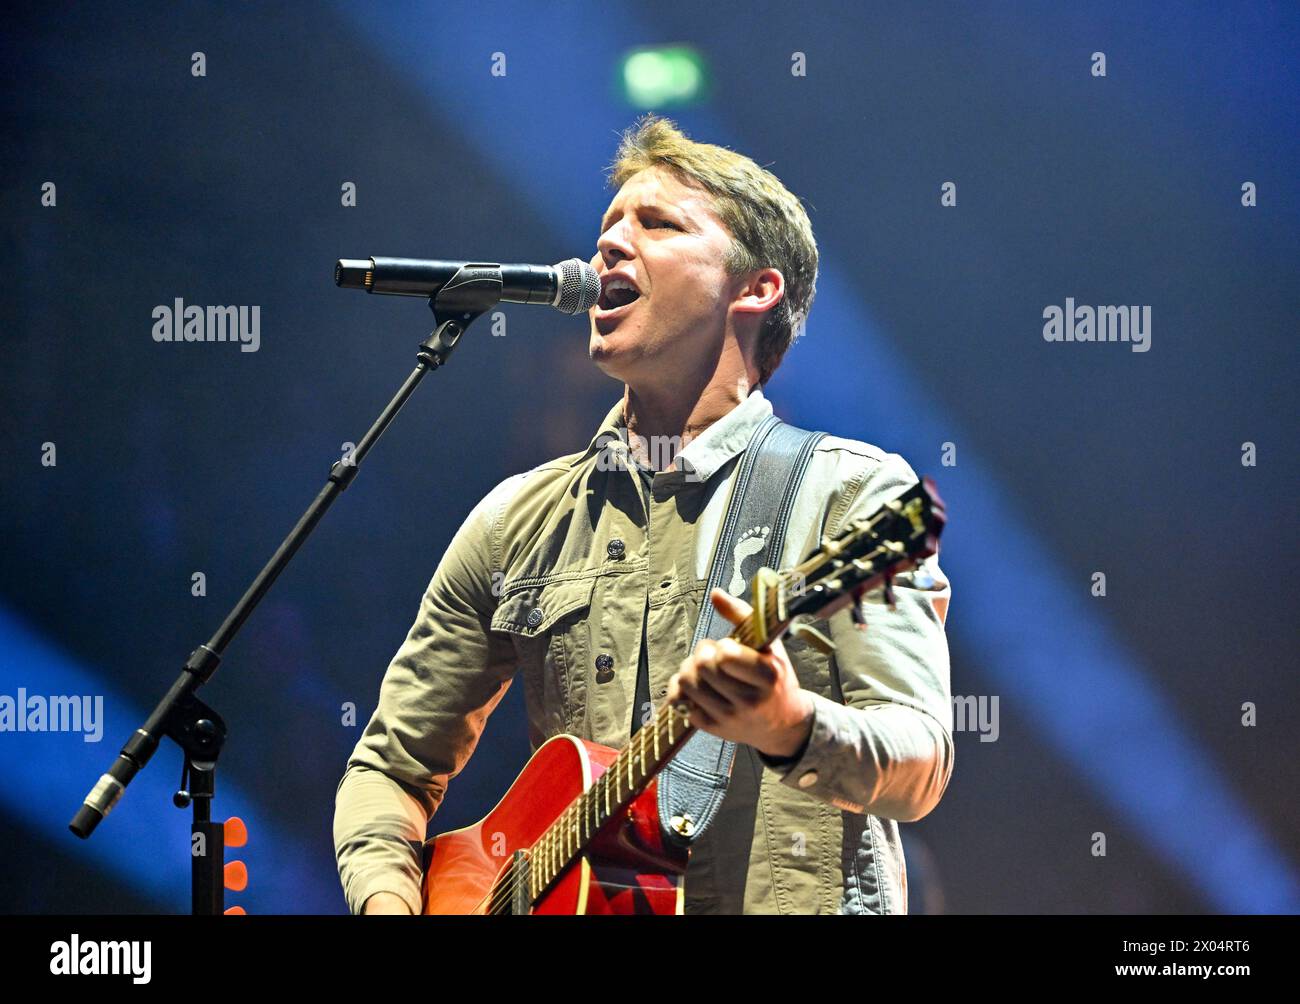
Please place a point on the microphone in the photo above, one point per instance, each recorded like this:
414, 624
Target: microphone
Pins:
570, 286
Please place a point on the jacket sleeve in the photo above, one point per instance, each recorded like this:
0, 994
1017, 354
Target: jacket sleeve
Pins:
888, 749
446, 678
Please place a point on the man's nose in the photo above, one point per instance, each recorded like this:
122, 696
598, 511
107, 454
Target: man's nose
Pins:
613, 246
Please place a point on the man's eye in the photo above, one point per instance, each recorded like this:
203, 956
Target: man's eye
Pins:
664, 223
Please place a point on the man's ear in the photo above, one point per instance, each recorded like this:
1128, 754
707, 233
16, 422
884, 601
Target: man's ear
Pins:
759, 291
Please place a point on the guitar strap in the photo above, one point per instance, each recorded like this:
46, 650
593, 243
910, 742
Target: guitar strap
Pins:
692, 785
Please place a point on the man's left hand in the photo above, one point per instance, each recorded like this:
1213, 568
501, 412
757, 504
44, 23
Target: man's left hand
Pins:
741, 694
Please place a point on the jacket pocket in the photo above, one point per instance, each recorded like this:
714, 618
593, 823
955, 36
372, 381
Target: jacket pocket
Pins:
548, 620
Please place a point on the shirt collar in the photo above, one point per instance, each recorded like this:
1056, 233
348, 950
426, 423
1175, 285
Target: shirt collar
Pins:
701, 458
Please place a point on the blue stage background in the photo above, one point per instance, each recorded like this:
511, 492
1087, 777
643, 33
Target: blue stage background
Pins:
1119, 715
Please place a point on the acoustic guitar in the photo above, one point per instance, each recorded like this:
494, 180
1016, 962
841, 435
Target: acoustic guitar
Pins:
579, 831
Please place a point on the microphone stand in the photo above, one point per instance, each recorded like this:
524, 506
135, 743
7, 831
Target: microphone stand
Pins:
194, 726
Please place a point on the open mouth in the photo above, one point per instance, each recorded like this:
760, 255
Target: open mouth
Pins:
615, 295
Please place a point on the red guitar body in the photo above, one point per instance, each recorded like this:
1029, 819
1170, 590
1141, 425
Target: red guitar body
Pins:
627, 868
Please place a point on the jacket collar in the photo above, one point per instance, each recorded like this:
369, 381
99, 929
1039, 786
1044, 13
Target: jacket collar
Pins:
701, 458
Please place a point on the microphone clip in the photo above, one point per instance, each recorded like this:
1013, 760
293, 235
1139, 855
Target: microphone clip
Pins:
471, 292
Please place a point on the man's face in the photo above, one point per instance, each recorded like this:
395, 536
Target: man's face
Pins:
665, 238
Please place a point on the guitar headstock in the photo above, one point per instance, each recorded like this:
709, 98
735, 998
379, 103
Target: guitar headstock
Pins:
896, 537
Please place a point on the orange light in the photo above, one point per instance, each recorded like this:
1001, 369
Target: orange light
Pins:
236, 833
236, 876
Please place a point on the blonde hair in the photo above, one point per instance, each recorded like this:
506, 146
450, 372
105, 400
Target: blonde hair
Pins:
768, 225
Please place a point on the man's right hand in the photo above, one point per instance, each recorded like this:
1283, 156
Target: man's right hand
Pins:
385, 903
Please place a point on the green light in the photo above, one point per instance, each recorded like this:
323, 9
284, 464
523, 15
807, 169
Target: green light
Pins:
660, 77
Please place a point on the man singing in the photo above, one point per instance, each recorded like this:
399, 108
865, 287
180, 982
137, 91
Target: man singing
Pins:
587, 574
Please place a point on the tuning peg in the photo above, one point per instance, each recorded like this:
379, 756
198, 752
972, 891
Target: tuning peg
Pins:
235, 876
236, 833
236, 911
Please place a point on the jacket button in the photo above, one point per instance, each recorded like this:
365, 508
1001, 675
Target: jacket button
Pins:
616, 548
535, 616
808, 779
604, 668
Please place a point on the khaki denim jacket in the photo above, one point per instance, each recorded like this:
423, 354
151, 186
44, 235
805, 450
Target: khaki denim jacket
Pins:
555, 567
